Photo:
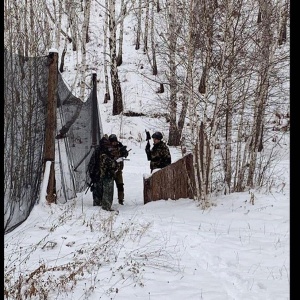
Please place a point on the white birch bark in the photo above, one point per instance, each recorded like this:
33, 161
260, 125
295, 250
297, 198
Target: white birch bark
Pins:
266, 55
26, 40
72, 22
58, 26
139, 26
105, 55
85, 25
146, 30
173, 36
153, 44
121, 33
230, 57
116, 86
192, 111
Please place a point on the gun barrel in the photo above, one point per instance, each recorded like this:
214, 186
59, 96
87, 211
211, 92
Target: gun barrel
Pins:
148, 137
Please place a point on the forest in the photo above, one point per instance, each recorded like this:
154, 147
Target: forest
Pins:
220, 70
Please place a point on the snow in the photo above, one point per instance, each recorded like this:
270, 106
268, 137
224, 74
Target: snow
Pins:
165, 250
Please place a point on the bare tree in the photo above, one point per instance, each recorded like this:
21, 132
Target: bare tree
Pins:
146, 26
150, 19
284, 13
115, 82
122, 16
70, 8
105, 30
265, 53
53, 19
157, 6
153, 45
174, 28
26, 28
85, 26
220, 71
139, 26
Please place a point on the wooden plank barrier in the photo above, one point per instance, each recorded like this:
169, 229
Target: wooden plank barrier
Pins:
172, 182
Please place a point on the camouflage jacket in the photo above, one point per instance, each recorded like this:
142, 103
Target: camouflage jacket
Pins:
118, 151
102, 163
159, 156
108, 166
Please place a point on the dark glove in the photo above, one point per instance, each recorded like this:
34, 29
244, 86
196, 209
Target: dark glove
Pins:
123, 151
92, 187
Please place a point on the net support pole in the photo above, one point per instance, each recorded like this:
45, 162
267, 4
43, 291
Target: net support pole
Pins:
49, 152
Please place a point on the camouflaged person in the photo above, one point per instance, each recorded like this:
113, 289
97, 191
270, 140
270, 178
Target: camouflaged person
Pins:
118, 150
102, 169
159, 155
108, 169
94, 172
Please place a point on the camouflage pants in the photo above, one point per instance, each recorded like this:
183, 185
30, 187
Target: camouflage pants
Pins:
108, 192
120, 184
103, 192
97, 193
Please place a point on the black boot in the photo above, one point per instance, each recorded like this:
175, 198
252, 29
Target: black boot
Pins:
120, 187
107, 208
97, 202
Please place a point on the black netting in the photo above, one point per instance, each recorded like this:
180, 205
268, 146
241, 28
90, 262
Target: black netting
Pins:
25, 98
25, 108
80, 130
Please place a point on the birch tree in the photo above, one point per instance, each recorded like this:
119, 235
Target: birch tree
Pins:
70, 8
284, 14
105, 55
116, 59
173, 33
265, 53
146, 26
115, 82
153, 44
151, 53
26, 28
139, 26
83, 65
121, 33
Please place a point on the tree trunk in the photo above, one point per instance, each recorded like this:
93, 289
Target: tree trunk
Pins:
86, 18
70, 11
153, 44
139, 27
122, 16
105, 56
115, 82
283, 24
266, 52
157, 6
146, 27
173, 29
62, 60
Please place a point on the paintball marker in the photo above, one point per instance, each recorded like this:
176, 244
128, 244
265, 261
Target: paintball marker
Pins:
148, 137
122, 158
90, 186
